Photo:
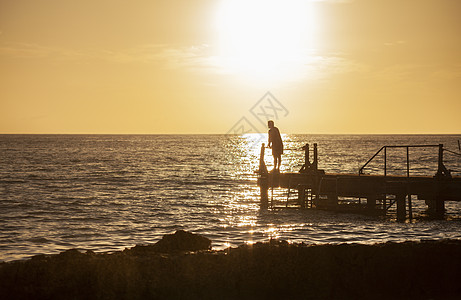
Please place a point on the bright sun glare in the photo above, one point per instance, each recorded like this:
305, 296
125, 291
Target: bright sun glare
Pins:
264, 39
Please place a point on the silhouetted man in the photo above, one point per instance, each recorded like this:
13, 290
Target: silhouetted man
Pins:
275, 142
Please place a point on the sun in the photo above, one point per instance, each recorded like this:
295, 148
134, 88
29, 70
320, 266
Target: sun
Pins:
264, 39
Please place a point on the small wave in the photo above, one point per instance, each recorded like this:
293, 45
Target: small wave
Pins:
39, 240
13, 181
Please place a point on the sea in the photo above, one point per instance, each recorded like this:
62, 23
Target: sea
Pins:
110, 192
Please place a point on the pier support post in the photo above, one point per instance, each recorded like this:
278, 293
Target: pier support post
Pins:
263, 179
371, 202
264, 192
439, 212
302, 197
436, 203
436, 208
410, 208
332, 200
401, 209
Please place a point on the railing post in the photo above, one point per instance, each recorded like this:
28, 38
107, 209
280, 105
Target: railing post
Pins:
440, 164
385, 161
316, 162
410, 206
442, 171
440, 156
306, 155
307, 164
408, 162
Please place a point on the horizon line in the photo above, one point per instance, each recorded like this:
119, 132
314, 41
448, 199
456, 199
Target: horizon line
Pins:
236, 134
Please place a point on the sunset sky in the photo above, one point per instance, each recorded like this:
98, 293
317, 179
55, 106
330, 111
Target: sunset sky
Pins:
182, 66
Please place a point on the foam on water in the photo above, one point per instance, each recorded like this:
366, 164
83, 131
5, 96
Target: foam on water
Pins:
108, 192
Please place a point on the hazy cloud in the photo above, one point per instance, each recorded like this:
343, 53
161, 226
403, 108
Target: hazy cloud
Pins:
448, 73
333, 1
195, 58
394, 43
155, 53
417, 73
26, 50
335, 64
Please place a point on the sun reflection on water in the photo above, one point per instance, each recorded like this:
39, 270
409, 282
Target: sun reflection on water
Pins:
242, 211
272, 232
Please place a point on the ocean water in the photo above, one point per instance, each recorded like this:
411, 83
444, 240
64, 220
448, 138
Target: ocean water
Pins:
110, 192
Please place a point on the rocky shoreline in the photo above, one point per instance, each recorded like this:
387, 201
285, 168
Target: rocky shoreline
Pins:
183, 266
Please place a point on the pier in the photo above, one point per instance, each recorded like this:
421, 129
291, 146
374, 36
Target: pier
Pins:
312, 187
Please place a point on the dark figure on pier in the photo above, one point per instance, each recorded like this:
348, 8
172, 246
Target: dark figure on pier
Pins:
275, 142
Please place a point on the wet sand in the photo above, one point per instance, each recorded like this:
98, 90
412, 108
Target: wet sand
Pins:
272, 270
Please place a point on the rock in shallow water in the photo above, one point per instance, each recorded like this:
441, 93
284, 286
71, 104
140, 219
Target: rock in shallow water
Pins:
183, 241
179, 241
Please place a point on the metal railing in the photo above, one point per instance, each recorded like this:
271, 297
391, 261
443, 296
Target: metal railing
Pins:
441, 168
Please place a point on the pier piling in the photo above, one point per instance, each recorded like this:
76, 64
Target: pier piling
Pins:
371, 202
302, 197
401, 209
263, 181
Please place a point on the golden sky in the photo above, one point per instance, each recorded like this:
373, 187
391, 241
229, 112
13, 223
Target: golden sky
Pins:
199, 66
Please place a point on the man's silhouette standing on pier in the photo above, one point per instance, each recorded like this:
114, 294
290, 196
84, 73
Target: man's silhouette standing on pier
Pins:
275, 142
